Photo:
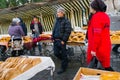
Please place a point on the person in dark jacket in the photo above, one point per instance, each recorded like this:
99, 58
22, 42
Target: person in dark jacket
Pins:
23, 25
60, 35
36, 29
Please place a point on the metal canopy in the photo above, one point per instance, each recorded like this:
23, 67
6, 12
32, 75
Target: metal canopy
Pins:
44, 9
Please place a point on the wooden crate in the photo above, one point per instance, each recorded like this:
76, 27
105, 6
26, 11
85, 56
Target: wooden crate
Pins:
88, 71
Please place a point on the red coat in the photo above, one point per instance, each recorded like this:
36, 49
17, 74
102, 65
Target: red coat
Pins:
99, 38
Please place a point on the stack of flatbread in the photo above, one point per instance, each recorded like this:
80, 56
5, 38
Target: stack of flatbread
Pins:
14, 66
76, 37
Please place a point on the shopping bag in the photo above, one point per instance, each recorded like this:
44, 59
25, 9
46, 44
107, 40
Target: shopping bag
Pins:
95, 64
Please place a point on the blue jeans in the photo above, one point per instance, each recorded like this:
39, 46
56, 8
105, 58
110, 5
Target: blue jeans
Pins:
39, 44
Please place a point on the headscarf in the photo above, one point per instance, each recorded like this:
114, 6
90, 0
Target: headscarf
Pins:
15, 21
99, 5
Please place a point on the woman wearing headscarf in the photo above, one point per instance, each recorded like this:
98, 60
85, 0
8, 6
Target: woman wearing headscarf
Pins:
99, 44
15, 29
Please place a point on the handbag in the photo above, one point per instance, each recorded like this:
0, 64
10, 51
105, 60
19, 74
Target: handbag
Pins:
95, 64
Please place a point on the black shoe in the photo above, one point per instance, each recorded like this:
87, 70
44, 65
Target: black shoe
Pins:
109, 69
60, 71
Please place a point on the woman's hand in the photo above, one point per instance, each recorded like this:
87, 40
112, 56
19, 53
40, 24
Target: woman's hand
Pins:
93, 53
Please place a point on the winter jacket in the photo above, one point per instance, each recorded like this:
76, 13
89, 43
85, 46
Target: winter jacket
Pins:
99, 38
62, 29
15, 31
39, 27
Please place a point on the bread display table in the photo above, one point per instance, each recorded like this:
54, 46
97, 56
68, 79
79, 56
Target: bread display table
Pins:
81, 46
4, 44
46, 63
96, 74
76, 43
115, 37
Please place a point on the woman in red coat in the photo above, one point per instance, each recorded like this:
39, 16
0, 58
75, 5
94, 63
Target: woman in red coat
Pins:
99, 44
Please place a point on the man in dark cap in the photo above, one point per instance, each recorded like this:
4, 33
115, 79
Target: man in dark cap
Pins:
60, 35
99, 44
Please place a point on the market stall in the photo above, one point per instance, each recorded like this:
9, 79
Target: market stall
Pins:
5, 40
46, 64
77, 38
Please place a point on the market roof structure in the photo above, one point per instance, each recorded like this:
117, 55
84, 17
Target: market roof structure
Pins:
43, 8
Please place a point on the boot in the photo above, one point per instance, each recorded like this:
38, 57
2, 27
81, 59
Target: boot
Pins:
109, 69
61, 71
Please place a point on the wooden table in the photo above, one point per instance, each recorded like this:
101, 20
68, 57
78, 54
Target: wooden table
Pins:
76, 43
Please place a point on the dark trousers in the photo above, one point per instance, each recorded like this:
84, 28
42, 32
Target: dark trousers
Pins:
60, 52
17, 53
96, 64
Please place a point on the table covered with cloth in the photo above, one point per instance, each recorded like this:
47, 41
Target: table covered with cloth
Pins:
46, 64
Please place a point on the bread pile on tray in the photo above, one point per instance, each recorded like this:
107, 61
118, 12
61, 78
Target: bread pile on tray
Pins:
14, 66
115, 37
27, 39
76, 37
45, 35
5, 39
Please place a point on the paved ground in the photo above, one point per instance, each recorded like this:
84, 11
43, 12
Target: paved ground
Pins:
74, 65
